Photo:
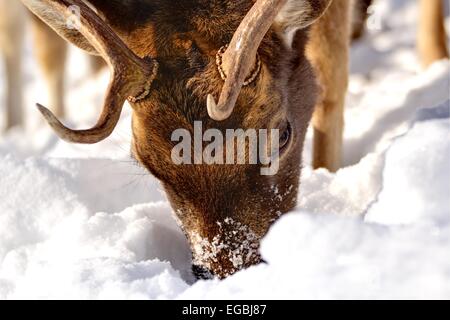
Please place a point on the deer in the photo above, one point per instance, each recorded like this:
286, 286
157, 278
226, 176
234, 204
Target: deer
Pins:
250, 64
50, 52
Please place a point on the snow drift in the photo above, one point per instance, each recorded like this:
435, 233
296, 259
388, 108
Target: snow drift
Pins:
86, 222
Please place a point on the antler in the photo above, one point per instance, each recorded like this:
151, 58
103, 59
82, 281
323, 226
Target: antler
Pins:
240, 57
131, 76
241, 54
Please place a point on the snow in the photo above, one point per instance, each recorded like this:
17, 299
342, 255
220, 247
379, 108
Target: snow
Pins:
86, 222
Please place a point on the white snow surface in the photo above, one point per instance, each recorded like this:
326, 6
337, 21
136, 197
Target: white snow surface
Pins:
85, 222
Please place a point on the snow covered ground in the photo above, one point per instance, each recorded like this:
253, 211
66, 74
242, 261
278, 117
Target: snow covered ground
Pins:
87, 222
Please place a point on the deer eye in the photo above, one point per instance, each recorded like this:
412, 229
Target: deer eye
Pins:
285, 136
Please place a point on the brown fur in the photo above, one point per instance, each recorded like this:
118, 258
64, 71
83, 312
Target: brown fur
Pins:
226, 209
215, 203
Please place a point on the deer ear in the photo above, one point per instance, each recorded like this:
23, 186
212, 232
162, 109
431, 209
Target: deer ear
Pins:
63, 22
299, 14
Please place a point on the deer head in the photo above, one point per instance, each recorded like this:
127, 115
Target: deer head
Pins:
171, 60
